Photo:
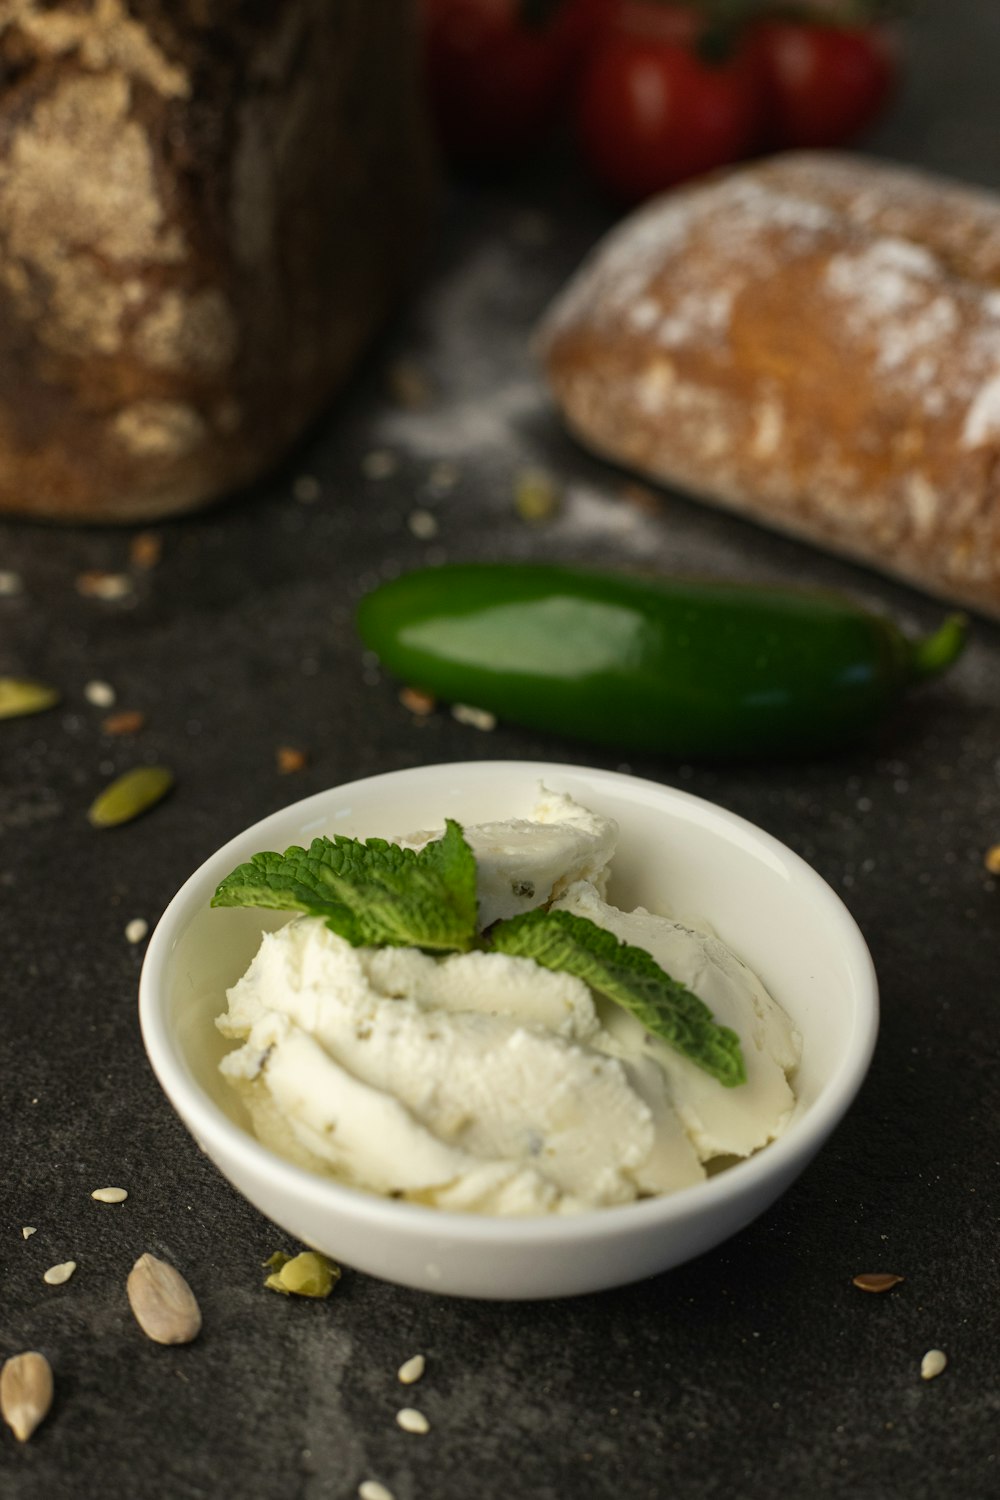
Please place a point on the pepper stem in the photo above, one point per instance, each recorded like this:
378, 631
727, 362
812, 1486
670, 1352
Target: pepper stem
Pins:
935, 653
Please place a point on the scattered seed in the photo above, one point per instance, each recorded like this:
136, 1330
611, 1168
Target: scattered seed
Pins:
56, 1275
21, 695
423, 524
442, 477
309, 1274
370, 1489
876, 1281
28, 1231
289, 759
991, 859
418, 703
642, 498
412, 1369
933, 1363
25, 1392
145, 549
164, 1305
379, 464
412, 1420
476, 718
136, 930
307, 489
537, 497
407, 385
96, 584
100, 694
10, 584
129, 795
128, 721
110, 1195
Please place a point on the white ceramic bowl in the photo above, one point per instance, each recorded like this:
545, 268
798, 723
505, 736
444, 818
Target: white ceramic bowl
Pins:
676, 852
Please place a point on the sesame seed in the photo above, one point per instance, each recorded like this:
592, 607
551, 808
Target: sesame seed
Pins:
100, 694
932, 1363
412, 1369
412, 1420
136, 930
370, 1489
56, 1275
110, 1195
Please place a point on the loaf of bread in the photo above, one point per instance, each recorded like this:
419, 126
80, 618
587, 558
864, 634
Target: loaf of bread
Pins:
814, 342
206, 206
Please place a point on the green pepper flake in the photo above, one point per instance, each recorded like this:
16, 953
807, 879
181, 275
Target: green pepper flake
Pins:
306, 1275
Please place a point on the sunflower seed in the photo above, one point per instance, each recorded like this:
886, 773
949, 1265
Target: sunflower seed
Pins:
412, 1420
28, 1231
56, 1275
412, 1369
110, 1195
308, 1274
164, 1305
25, 1392
130, 795
933, 1363
21, 695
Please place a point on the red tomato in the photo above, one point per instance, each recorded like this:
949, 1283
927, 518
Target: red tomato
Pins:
498, 70
823, 84
652, 111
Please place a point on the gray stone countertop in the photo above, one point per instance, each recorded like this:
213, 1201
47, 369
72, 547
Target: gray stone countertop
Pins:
758, 1369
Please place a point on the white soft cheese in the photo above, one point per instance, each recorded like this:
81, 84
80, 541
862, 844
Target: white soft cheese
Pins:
484, 1083
472, 1082
720, 1121
524, 862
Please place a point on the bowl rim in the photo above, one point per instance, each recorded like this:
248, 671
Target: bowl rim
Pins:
215, 1131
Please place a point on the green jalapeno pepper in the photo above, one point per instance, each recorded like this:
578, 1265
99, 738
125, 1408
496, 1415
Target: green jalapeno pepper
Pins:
682, 667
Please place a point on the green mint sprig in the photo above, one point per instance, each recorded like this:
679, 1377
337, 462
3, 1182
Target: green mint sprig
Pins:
371, 894
631, 977
378, 894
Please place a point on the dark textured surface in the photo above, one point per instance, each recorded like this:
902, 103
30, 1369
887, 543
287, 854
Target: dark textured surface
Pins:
758, 1370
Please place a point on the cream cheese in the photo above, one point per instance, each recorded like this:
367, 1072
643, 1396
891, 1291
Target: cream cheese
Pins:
483, 1082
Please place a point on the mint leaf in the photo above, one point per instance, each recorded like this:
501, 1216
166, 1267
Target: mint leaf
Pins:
370, 893
632, 978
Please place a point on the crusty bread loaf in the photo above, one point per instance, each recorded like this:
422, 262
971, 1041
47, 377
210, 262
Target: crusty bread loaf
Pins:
813, 341
205, 209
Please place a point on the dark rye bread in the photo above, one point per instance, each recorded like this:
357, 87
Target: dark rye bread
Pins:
812, 341
205, 208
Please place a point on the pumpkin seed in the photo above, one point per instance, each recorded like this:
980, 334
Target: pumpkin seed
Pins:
307, 1275
130, 795
164, 1305
21, 695
25, 1392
